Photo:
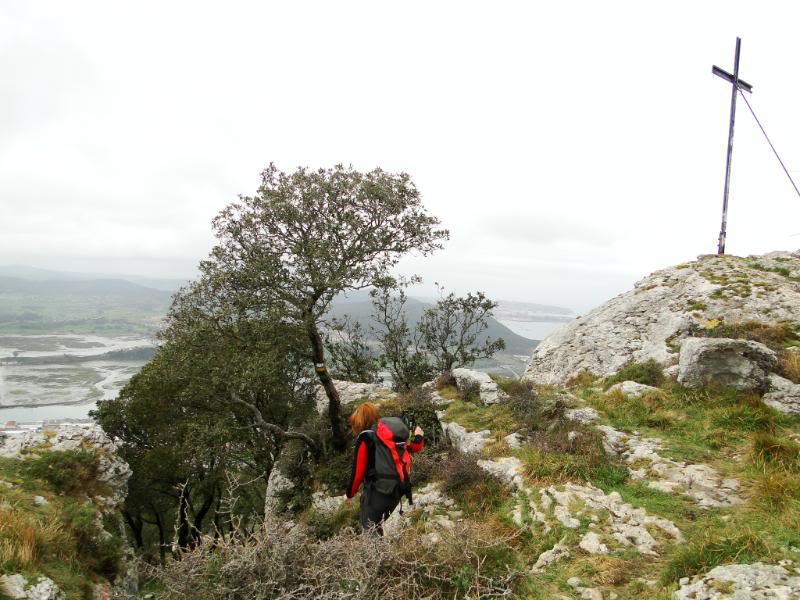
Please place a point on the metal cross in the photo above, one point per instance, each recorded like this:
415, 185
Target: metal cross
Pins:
736, 85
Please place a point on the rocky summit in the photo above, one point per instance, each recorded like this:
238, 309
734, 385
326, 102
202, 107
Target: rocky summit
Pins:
650, 321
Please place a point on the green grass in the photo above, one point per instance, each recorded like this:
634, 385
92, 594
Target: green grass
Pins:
499, 418
647, 373
697, 425
60, 539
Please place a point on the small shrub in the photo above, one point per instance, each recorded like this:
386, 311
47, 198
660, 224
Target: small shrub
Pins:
647, 373
609, 570
458, 471
70, 472
323, 526
96, 549
472, 561
776, 489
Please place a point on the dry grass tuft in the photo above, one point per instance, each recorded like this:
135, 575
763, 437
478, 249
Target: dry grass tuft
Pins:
790, 365
24, 537
612, 571
770, 451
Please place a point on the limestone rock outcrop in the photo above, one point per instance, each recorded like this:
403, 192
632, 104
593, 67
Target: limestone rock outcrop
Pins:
740, 364
466, 441
698, 481
468, 380
111, 470
633, 389
649, 321
755, 581
783, 395
17, 587
351, 391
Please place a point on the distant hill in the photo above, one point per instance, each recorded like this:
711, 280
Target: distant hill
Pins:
34, 300
107, 306
37, 274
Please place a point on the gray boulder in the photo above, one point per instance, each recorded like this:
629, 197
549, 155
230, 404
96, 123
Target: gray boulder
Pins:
466, 441
649, 321
740, 364
633, 389
741, 582
783, 395
468, 380
17, 587
351, 391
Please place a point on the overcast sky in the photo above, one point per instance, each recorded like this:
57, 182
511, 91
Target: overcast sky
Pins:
570, 147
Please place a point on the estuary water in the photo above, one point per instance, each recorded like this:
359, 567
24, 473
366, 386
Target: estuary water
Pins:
55, 377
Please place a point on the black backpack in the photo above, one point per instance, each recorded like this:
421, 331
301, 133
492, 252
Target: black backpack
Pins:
392, 458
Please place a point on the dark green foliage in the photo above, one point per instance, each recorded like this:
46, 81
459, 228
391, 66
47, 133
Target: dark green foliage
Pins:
333, 471
350, 355
323, 526
450, 330
70, 472
401, 352
98, 551
647, 373
448, 335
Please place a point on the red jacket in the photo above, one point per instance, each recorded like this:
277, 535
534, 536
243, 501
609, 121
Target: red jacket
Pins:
364, 458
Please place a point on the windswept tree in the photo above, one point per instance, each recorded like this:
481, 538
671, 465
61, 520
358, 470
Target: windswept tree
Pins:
305, 237
451, 331
400, 341
450, 334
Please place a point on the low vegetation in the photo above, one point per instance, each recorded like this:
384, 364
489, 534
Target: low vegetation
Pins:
474, 560
58, 536
647, 373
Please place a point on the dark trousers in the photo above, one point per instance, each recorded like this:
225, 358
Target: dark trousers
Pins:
375, 509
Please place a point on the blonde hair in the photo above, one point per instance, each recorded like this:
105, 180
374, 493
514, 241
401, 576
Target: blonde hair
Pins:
364, 417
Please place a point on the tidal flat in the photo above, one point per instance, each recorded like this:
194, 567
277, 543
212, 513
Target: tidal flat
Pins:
49, 372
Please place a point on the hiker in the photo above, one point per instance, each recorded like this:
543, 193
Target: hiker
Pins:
382, 461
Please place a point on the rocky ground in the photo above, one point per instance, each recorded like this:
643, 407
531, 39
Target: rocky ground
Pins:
696, 506
649, 321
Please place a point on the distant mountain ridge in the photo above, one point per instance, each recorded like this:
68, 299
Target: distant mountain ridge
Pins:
33, 299
37, 274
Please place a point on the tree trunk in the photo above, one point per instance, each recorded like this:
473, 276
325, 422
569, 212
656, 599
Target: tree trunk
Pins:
162, 541
184, 527
136, 526
200, 516
334, 403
